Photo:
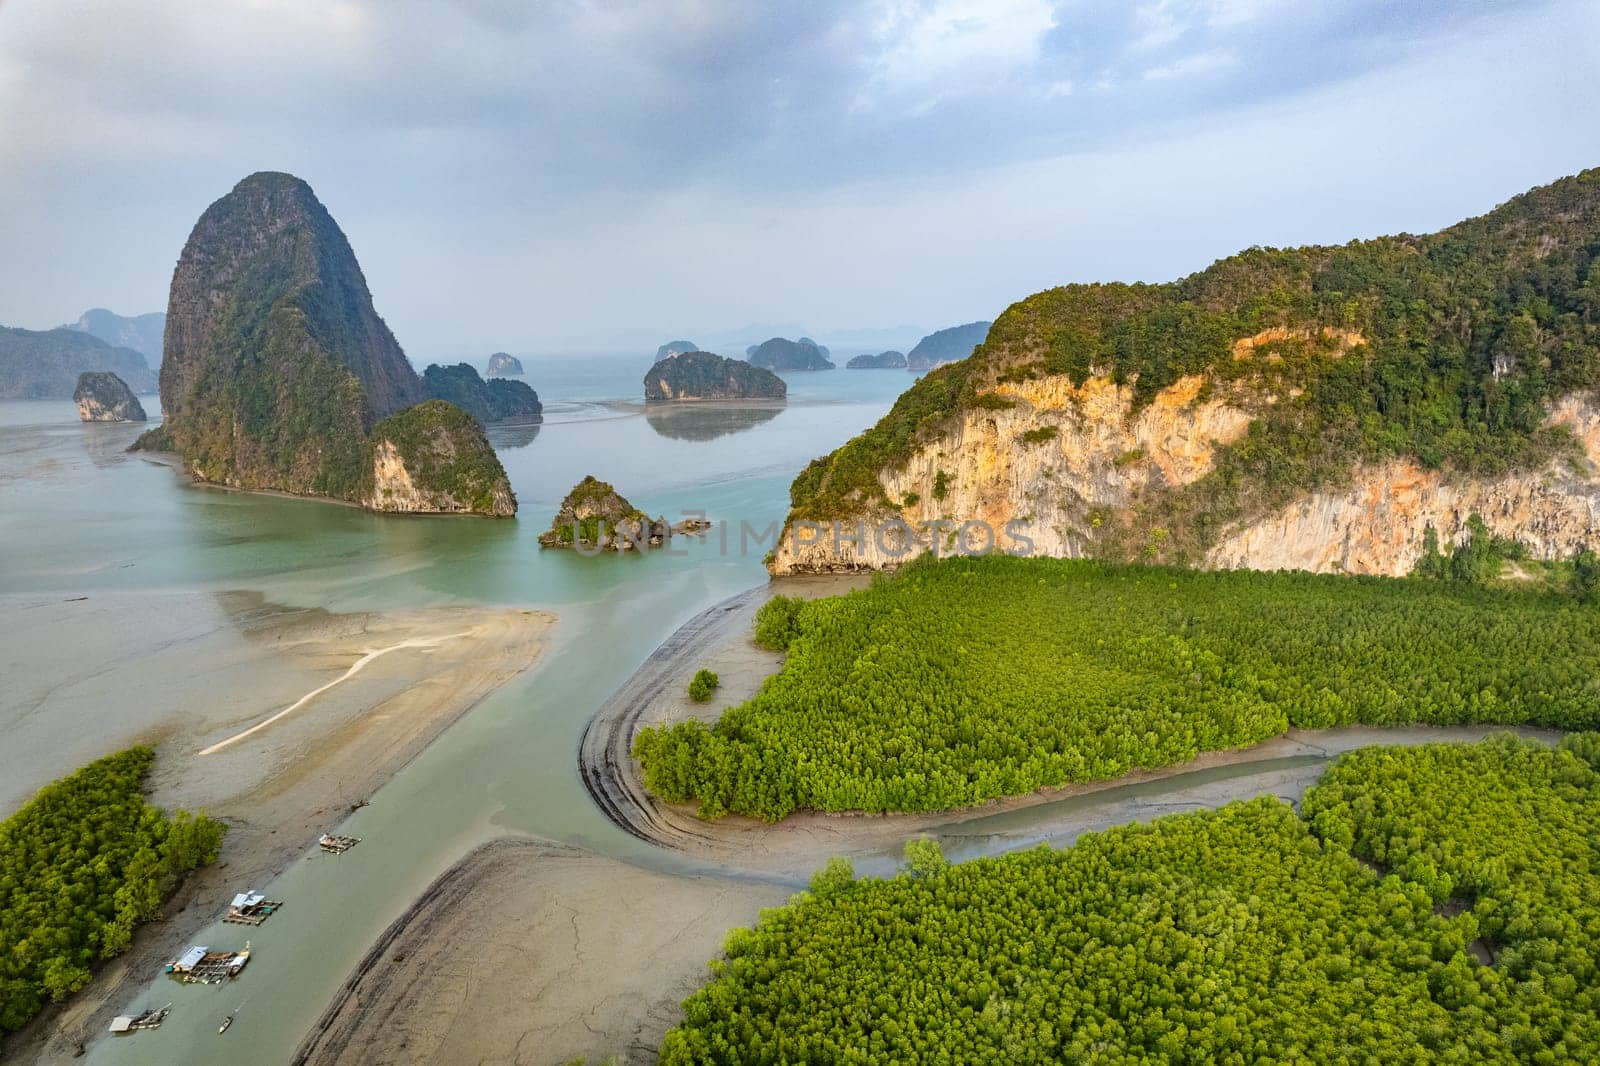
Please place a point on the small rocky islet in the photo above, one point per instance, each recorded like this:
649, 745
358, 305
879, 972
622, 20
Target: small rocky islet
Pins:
779, 353
672, 348
890, 360
490, 401
706, 376
101, 396
595, 517
503, 364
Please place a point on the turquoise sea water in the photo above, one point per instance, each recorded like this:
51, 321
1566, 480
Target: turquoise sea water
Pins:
81, 517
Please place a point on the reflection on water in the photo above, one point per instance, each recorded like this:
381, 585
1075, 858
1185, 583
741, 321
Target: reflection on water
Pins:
504, 438
702, 422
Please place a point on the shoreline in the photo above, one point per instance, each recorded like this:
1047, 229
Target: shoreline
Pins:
802, 842
529, 950
281, 786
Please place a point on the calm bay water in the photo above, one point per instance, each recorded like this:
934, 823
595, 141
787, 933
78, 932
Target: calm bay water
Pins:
79, 517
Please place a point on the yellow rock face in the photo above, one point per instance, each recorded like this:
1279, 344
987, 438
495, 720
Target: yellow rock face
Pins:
1053, 490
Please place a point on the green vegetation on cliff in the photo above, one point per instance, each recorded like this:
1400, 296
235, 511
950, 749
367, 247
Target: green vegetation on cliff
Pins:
591, 504
45, 364
489, 401
1465, 336
1242, 935
81, 864
705, 376
446, 457
957, 681
277, 364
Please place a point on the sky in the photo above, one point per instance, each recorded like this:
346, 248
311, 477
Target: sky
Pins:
564, 177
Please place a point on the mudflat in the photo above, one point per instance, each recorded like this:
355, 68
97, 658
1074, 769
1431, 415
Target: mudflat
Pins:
533, 952
277, 720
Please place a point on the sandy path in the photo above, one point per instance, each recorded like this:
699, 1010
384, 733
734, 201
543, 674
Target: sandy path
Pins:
355, 668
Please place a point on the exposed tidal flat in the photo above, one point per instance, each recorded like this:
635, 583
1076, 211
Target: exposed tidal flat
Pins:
135, 604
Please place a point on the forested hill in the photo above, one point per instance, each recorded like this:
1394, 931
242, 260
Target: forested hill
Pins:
1446, 349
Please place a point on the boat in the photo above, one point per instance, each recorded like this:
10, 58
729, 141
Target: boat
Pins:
336, 844
201, 965
132, 1023
223, 1028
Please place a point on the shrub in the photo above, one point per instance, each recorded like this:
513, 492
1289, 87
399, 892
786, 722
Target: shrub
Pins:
702, 685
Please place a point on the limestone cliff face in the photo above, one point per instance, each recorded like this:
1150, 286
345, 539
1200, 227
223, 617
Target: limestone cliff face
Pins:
434, 459
276, 362
1047, 465
101, 396
1046, 472
1377, 526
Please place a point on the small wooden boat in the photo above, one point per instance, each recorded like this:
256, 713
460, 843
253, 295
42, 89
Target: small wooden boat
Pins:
337, 845
223, 1028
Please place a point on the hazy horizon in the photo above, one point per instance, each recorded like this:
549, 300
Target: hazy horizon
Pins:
604, 178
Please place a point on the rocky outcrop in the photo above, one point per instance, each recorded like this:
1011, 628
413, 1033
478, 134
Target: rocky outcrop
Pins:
141, 333
278, 367
1030, 472
433, 458
881, 361
1045, 474
490, 402
103, 397
503, 364
1377, 526
276, 362
672, 348
781, 354
704, 376
45, 364
947, 345
595, 517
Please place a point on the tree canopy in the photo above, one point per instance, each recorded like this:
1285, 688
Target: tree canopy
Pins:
960, 680
81, 864
1435, 904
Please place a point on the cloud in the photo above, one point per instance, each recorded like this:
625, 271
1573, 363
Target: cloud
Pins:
488, 157
1197, 65
953, 47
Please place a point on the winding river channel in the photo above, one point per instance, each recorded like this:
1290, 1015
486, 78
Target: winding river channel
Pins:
84, 520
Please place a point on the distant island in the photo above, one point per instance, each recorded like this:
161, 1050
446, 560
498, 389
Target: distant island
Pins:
503, 364
45, 364
103, 397
781, 354
881, 361
280, 375
672, 348
705, 376
142, 333
595, 516
947, 345
495, 400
